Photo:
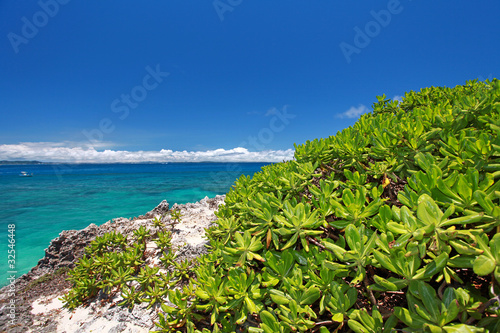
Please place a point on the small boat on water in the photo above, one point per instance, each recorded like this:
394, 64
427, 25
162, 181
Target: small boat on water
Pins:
25, 174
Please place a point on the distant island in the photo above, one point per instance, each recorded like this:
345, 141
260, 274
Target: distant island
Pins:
142, 162
20, 162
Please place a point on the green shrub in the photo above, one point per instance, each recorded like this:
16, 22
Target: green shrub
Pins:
391, 224
110, 266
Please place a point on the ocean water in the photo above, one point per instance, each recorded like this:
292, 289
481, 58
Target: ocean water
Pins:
69, 197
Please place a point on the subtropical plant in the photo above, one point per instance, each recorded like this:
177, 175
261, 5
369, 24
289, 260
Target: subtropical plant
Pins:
113, 265
391, 225
158, 222
176, 215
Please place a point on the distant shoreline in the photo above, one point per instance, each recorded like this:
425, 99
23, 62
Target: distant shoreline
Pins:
20, 162
146, 162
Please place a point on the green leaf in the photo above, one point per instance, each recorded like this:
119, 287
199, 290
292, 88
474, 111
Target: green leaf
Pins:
466, 219
279, 297
482, 242
357, 327
452, 311
436, 266
428, 211
432, 328
464, 248
337, 250
483, 265
462, 328
484, 201
338, 317
491, 324
464, 188
390, 323
270, 323
385, 261
291, 241
429, 299
353, 238
394, 285
461, 261
348, 197
418, 308
250, 305
385, 213
396, 228
448, 296
367, 320
495, 247
369, 245
302, 260
404, 315
310, 296
443, 187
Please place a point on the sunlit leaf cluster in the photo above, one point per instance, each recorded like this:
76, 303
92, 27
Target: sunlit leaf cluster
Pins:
115, 265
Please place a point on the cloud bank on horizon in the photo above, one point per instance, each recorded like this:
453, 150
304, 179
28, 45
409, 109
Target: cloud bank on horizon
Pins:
72, 153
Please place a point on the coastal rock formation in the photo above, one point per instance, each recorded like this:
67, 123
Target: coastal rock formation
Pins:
37, 307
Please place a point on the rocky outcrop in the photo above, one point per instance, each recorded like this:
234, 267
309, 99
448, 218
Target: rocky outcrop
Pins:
69, 246
38, 308
161, 210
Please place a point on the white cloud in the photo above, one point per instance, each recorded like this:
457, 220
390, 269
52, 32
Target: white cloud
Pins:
354, 112
66, 152
398, 98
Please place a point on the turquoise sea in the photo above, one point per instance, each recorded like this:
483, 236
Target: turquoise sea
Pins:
64, 197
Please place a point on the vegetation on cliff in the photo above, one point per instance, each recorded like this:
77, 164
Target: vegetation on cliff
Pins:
392, 223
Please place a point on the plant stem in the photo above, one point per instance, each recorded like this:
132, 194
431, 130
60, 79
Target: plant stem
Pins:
315, 242
370, 293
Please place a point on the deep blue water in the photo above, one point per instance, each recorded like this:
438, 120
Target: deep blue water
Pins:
65, 197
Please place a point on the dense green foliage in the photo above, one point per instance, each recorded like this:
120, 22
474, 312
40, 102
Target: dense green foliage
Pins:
392, 223
114, 264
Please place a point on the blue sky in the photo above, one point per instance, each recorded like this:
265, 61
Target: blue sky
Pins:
107, 81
